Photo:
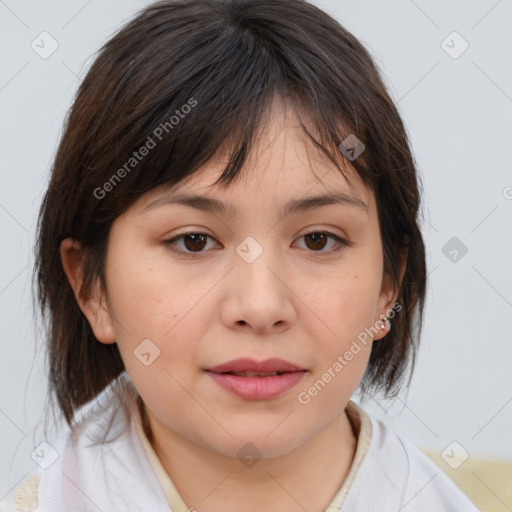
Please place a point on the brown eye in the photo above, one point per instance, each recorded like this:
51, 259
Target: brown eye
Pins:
190, 244
318, 241
195, 241
194, 244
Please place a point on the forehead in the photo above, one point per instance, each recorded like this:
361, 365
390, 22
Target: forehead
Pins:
283, 164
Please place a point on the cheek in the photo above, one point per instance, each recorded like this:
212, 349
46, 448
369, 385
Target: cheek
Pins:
154, 300
338, 380
347, 308
347, 304
343, 349
147, 294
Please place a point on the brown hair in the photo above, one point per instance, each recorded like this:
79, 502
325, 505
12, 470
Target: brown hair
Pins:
230, 57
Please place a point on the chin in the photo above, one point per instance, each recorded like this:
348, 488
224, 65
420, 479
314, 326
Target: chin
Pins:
252, 444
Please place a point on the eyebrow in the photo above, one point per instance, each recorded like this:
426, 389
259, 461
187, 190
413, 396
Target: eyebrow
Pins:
211, 205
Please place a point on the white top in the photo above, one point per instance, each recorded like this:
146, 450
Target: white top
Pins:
116, 469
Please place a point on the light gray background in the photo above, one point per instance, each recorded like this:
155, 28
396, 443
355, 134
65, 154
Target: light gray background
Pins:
458, 112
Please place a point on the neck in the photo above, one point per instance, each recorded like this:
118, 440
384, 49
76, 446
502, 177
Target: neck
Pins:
307, 478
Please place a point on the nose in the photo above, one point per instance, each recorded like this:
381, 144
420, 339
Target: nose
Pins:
259, 295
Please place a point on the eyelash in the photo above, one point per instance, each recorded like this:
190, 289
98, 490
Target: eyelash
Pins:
342, 244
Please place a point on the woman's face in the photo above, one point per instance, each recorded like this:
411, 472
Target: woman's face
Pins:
260, 280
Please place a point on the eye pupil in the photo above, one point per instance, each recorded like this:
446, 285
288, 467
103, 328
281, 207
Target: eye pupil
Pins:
196, 237
316, 237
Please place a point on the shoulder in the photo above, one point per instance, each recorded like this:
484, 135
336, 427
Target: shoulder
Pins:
24, 496
428, 486
102, 426
398, 476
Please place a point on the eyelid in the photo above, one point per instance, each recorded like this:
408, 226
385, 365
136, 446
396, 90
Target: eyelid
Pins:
342, 243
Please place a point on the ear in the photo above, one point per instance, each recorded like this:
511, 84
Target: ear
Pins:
94, 306
389, 294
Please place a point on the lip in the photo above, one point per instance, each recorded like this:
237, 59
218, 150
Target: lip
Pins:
257, 388
251, 365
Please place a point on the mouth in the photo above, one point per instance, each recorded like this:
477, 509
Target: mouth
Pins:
246, 367
254, 374
257, 385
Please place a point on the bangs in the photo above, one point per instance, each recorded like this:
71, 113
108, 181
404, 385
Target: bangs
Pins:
176, 105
